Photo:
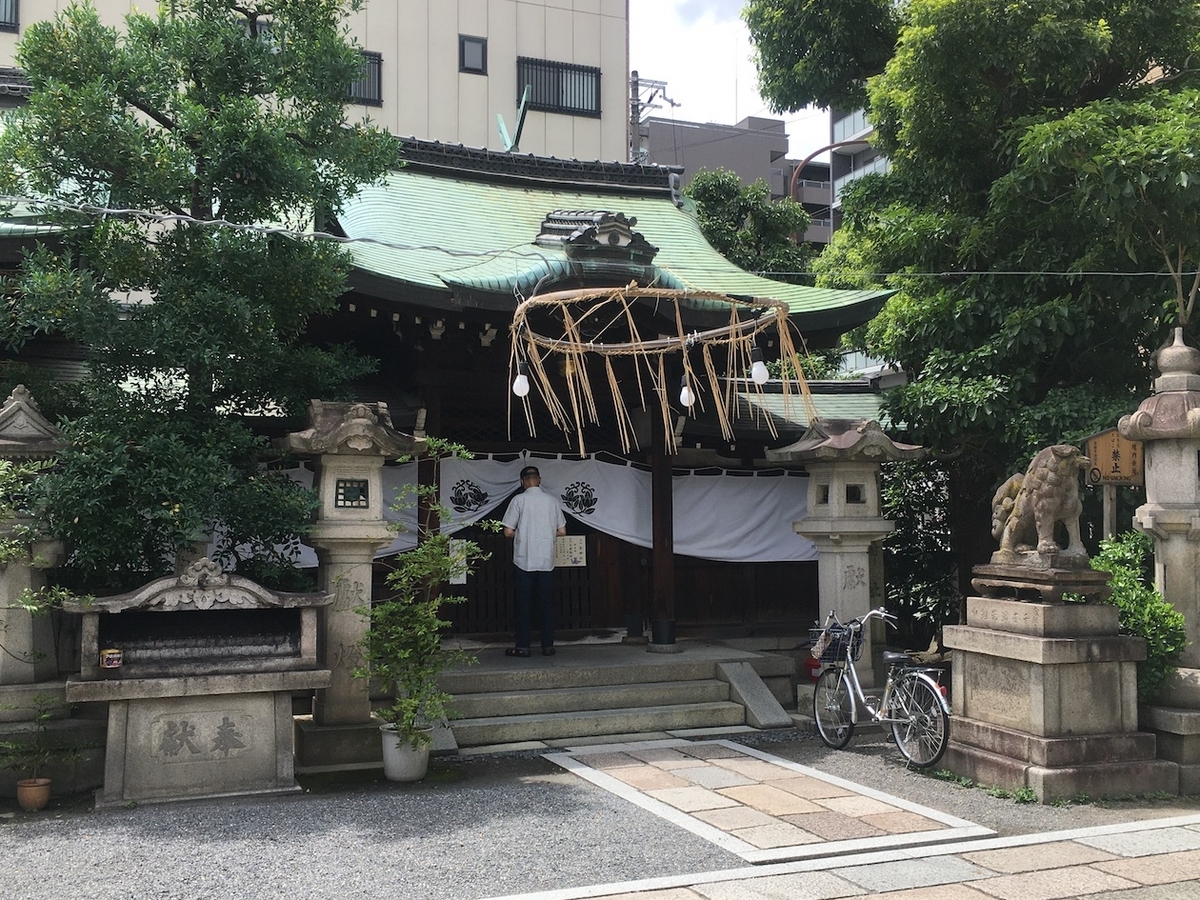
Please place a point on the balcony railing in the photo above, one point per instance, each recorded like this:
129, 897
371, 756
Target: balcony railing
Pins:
878, 164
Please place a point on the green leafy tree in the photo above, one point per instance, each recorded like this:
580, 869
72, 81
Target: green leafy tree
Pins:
207, 110
1010, 338
1133, 167
748, 228
820, 51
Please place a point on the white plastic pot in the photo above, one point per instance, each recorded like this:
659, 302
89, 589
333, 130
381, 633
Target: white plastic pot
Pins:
401, 761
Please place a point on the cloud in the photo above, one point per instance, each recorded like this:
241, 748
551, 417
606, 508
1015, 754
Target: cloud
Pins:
722, 10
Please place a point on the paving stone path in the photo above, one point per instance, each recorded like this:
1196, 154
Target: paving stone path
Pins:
762, 808
817, 837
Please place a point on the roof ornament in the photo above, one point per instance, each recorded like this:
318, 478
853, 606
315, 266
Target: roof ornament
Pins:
512, 144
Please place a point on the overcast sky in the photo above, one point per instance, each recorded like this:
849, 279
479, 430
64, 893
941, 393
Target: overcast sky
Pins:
702, 50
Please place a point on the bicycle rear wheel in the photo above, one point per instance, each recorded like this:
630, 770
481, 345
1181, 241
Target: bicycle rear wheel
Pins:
832, 707
921, 727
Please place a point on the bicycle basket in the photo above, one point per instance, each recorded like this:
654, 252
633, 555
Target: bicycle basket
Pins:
829, 644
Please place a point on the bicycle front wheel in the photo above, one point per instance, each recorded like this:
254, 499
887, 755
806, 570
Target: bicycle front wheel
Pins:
920, 725
832, 706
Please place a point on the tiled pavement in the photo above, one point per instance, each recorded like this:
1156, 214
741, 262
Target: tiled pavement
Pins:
762, 808
818, 837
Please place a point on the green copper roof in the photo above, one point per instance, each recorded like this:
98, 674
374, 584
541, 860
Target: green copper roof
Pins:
833, 400
469, 234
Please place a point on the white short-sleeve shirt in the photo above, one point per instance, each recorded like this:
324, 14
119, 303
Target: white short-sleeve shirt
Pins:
535, 517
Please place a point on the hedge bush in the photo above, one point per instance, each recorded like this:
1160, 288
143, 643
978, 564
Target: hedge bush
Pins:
1144, 613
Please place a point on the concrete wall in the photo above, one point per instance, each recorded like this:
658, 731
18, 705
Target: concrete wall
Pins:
425, 95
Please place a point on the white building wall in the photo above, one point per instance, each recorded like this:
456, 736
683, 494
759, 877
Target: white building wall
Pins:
425, 95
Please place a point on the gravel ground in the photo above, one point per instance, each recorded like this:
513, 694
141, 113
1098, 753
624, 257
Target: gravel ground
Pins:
477, 827
474, 828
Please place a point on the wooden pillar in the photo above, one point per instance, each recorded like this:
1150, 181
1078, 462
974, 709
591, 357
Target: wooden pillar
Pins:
662, 617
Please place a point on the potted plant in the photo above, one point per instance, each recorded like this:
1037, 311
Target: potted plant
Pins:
403, 646
34, 751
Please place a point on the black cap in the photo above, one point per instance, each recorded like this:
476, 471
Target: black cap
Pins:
530, 472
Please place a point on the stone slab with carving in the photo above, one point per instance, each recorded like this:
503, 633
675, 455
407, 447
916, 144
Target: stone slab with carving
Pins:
1027, 508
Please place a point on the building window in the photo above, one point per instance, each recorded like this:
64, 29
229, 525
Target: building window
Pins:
8, 15
472, 54
856, 493
368, 88
559, 87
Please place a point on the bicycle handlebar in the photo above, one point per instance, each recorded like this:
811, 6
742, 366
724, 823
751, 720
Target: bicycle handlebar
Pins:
855, 624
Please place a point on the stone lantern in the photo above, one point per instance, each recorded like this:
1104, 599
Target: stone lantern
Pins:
350, 442
28, 653
1169, 425
844, 520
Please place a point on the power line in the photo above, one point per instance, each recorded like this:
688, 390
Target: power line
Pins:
513, 251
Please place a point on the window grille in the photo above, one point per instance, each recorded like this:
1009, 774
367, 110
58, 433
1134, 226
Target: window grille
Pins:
368, 88
9, 20
559, 87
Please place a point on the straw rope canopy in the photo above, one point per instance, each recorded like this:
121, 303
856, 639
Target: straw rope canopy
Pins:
570, 326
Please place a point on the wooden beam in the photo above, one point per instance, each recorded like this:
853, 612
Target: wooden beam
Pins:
662, 618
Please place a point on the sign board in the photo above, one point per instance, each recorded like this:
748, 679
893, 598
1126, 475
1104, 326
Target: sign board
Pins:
1115, 459
570, 550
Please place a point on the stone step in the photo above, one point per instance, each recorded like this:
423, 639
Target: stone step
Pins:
593, 697
541, 673
478, 732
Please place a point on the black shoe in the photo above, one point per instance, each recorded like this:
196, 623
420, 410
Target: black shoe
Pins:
517, 651
548, 651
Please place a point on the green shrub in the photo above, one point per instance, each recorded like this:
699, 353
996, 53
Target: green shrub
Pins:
1144, 612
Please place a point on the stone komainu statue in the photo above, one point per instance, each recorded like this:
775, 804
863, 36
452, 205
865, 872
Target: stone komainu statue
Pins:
1027, 507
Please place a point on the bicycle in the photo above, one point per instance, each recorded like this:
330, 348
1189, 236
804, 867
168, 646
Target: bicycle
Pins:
912, 703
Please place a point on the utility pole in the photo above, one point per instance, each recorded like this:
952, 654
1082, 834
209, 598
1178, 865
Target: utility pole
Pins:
638, 106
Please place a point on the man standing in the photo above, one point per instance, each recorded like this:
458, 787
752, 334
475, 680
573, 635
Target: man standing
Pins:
533, 519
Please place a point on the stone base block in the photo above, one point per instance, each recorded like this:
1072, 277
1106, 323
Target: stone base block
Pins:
1107, 779
183, 748
1178, 733
337, 745
1054, 752
1031, 576
1070, 620
1181, 689
19, 702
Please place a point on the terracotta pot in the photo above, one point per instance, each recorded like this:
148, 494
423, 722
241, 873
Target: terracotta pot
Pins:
33, 793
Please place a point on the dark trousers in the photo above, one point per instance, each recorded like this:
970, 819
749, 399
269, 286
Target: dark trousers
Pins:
534, 590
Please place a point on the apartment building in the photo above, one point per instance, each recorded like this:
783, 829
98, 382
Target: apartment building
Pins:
853, 156
754, 148
444, 69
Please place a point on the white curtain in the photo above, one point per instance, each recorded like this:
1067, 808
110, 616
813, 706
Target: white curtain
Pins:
731, 516
719, 514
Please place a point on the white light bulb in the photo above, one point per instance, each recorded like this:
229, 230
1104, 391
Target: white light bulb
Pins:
758, 369
686, 396
520, 385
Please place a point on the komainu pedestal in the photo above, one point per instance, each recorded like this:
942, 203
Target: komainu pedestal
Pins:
1044, 694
